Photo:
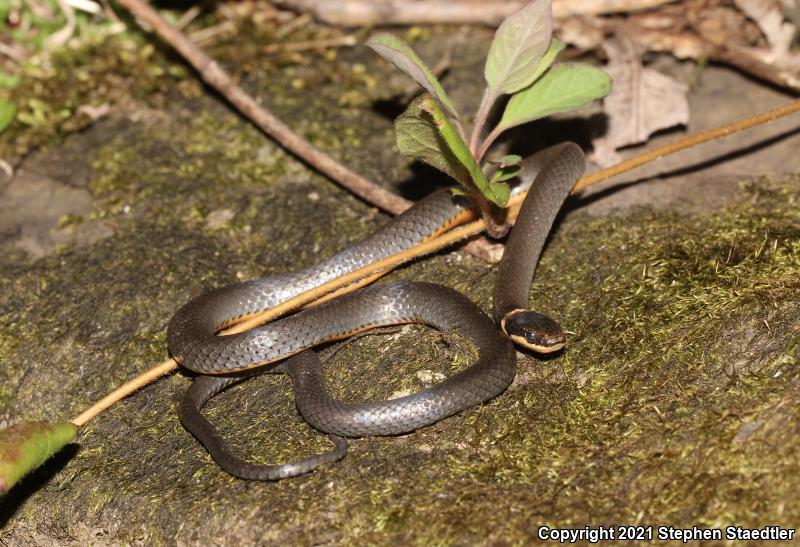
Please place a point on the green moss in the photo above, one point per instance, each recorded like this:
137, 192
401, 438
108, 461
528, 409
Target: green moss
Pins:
101, 71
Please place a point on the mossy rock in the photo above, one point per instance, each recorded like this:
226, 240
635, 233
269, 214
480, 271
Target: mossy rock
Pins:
674, 402
671, 404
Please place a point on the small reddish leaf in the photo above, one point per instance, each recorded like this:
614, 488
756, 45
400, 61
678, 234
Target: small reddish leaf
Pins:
27, 445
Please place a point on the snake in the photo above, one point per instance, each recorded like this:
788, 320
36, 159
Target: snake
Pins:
285, 345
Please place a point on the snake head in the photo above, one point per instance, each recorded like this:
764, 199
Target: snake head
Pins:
533, 330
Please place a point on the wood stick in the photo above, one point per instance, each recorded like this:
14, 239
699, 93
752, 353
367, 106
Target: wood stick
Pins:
451, 12
216, 77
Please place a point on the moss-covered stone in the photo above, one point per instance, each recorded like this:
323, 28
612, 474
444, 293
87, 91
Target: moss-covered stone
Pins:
674, 402
673, 399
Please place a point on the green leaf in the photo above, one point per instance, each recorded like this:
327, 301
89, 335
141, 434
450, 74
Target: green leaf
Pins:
518, 46
495, 192
562, 88
9, 81
417, 137
27, 445
509, 159
555, 47
508, 172
397, 52
7, 113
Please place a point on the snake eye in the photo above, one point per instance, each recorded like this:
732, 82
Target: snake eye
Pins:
533, 338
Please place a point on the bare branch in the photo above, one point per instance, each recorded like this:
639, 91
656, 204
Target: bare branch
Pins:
216, 77
480, 12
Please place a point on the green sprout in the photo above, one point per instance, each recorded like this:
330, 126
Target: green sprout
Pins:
519, 64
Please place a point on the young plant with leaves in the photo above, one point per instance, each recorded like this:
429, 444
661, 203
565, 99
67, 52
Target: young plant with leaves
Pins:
519, 64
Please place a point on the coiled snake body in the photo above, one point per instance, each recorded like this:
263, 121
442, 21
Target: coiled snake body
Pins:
193, 342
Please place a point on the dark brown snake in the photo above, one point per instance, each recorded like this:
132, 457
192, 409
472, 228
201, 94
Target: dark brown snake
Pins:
193, 342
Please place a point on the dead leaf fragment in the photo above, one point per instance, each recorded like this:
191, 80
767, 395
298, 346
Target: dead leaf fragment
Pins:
583, 32
95, 112
641, 102
768, 15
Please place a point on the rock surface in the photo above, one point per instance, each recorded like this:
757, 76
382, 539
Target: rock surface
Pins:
675, 402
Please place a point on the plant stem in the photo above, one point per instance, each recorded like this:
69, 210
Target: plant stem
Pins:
480, 119
487, 142
124, 390
495, 227
494, 217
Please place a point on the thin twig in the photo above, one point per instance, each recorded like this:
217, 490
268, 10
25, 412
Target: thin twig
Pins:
87, 6
487, 142
187, 17
205, 35
451, 12
743, 59
13, 52
292, 25
377, 269
216, 77
6, 168
61, 37
109, 11
124, 390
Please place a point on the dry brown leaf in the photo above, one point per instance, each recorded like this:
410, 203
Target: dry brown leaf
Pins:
779, 34
792, 10
665, 30
582, 32
725, 26
642, 102
682, 45
768, 15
